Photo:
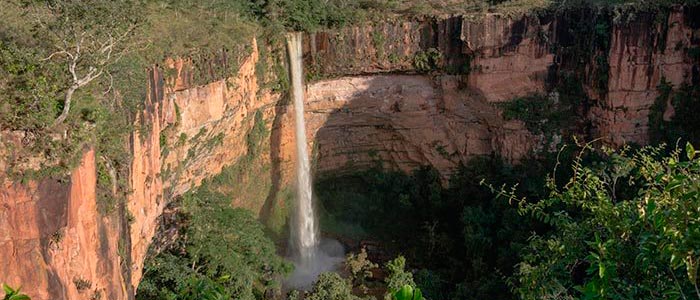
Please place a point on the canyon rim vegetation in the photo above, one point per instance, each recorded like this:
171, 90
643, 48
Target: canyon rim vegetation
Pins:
460, 149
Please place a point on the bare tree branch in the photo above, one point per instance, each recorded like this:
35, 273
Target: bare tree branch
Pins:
62, 52
87, 49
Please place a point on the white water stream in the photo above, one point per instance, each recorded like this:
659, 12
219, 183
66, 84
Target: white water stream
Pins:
304, 231
310, 255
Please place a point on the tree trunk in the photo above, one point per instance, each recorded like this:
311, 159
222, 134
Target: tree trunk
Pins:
66, 105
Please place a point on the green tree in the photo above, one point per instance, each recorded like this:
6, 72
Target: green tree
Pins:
330, 286
85, 37
627, 228
202, 288
221, 246
398, 276
360, 268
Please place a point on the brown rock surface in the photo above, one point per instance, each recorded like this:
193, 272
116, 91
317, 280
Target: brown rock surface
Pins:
405, 121
204, 129
637, 65
53, 237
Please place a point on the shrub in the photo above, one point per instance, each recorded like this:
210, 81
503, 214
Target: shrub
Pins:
428, 60
360, 268
330, 286
398, 277
628, 228
82, 284
224, 251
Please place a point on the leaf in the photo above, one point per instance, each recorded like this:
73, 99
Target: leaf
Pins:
601, 270
690, 151
8, 289
405, 293
651, 206
20, 297
676, 261
673, 185
417, 294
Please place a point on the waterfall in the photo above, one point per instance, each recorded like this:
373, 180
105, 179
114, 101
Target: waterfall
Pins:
304, 229
310, 254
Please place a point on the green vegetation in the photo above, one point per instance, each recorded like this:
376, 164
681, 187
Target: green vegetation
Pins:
73, 74
330, 286
398, 285
616, 225
407, 292
223, 251
684, 126
82, 284
625, 229
398, 280
608, 224
360, 268
463, 242
427, 61
541, 114
13, 294
379, 41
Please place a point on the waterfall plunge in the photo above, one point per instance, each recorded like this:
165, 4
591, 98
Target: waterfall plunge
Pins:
304, 231
311, 256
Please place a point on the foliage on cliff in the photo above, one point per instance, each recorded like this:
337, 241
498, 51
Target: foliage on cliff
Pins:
221, 252
58, 55
222, 249
93, 56
684, 126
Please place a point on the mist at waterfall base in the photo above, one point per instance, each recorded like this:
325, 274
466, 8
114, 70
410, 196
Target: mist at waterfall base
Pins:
310, 254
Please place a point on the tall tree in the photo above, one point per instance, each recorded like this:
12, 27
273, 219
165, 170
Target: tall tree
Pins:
85, 36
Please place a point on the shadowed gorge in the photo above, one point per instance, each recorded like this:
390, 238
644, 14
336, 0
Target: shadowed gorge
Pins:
516, 149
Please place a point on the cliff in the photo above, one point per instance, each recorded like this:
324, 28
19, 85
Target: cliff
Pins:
643, 54
55, 244
396, 111
402, 94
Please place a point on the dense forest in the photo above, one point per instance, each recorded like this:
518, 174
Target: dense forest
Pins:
582, 221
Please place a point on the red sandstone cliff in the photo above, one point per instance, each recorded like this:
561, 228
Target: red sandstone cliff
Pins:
642, 53
53, 241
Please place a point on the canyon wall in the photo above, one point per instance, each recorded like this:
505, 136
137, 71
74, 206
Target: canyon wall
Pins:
398, 113
57, 245
373, 104
54, 243
194, 132
378, 94
642, 54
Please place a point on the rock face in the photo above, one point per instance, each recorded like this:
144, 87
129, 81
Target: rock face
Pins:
643, 53
55, 244
195, 131
407, 120
404, 122
493, 50
503, 58
387, 98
